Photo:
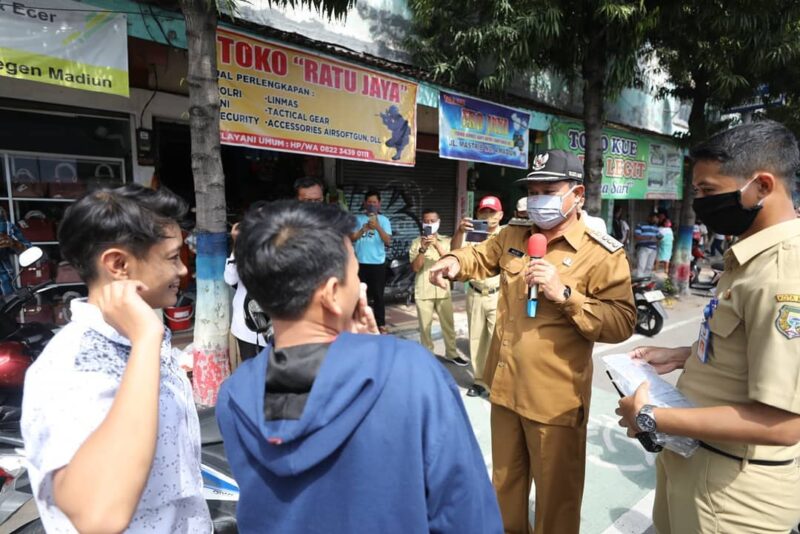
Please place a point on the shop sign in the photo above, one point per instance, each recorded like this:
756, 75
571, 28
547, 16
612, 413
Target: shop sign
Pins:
634, 166
277, 97
64, 44
476, 130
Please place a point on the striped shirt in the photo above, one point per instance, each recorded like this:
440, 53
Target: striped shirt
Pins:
650, 234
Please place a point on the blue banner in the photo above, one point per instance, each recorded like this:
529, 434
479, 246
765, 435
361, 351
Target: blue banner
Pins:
476, 130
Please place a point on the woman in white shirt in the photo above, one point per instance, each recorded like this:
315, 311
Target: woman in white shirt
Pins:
250, 342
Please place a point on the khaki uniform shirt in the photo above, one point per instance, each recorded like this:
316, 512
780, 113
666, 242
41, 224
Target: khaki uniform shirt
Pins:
423, 288
755, 334
541, 368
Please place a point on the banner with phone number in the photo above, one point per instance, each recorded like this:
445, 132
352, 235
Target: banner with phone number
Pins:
277, 97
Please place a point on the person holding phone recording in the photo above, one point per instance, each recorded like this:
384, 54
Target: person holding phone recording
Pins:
372, 234
424, 252
482, 295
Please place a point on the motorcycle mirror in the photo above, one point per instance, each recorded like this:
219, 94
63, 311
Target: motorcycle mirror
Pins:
30, 256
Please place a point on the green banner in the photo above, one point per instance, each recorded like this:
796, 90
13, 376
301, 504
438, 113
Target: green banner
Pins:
634, 166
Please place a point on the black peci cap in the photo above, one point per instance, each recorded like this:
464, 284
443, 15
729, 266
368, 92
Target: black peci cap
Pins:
554, 166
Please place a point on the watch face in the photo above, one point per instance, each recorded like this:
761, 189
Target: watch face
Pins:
645, 422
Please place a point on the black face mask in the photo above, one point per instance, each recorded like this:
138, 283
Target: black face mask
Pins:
725, 214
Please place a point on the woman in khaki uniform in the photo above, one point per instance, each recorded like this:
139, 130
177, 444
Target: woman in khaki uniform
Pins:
744, 372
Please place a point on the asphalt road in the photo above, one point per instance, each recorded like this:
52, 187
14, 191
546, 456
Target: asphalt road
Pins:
620, 475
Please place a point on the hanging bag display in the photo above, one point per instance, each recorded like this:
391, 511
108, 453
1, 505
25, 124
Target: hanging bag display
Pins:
65, 182
104, 177
36, 226
37, 312
67, 274
27, 185
36, 274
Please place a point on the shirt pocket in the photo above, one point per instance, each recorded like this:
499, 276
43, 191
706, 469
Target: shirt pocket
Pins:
510, 267
728, 343
724, 322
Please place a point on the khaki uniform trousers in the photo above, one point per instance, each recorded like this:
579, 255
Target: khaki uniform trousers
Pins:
709, 493
481, 316
444, 310
553, 457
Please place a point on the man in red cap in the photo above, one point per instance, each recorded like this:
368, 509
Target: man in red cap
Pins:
481, 294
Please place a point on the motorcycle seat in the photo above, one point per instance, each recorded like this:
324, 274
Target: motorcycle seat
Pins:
638, 279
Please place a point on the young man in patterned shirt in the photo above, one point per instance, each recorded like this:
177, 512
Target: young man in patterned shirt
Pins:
110, 427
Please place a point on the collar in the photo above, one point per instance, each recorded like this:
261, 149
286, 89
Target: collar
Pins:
749, 248
573, 235
90, 316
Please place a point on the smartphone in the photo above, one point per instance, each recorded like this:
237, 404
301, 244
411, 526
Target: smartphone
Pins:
480, 225
479, 232
645, 438
427, 231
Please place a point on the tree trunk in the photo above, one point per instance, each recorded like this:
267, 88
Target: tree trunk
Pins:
212, 309
698, 130
594, 74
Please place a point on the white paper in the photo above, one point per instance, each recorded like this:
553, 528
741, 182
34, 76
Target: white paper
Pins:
628, 374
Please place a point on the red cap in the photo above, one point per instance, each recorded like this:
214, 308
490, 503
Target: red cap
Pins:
492, 203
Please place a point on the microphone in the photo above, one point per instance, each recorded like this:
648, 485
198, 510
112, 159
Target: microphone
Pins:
537, 248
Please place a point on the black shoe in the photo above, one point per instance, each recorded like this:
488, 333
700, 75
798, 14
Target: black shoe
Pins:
459, 361
476, 390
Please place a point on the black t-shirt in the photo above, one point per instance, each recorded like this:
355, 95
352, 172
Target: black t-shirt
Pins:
290, 375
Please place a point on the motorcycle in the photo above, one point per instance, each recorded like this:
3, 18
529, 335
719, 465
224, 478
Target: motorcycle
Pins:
650, 314
400, 281
20, 344
707, 285
18, 512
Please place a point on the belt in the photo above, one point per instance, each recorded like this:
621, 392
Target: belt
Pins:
485, 291
708, 447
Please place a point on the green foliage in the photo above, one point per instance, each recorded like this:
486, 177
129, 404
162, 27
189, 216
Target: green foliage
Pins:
490, 43
723, 50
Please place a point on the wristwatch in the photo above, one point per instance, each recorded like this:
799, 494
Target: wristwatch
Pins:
422, 250
645, 419
567, 292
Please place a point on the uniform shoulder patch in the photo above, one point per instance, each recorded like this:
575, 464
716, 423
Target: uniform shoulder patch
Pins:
788, 297
788, 322
608, 242
516, 221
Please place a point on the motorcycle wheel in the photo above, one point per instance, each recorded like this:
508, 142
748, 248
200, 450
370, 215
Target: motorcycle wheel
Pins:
648, 321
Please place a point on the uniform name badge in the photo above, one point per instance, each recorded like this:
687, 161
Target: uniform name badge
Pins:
704, 338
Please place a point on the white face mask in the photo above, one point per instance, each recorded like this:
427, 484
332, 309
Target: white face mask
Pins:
545, 210
433, 226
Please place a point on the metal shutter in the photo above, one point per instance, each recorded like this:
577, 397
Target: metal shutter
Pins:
405, 192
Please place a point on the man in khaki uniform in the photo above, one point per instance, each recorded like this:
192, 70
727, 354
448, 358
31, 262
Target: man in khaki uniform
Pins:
482, 295
424, 252
540, 368
742, 374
